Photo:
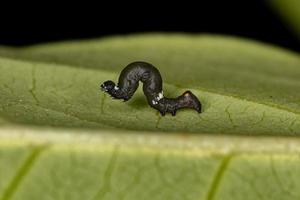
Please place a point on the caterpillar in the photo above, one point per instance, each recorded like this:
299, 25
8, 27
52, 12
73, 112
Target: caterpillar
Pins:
152, 88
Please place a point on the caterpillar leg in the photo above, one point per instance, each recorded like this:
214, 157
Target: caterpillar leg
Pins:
162, 113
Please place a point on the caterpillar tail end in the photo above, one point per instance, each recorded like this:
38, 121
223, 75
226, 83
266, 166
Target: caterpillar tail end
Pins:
189, 100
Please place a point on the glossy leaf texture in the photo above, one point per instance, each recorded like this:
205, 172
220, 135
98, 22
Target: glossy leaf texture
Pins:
62, 138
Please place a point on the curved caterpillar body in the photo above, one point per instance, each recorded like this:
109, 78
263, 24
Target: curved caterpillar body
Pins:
152, 87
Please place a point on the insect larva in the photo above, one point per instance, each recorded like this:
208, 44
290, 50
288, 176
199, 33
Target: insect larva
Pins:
152, 87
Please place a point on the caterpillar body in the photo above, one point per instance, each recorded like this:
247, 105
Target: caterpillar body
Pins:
152, 88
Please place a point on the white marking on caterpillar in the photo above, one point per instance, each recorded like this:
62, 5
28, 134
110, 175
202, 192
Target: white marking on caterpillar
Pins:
116, 87
103, 88
160, 96
154, 102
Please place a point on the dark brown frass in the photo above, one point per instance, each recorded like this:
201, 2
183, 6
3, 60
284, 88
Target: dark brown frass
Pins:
152, 87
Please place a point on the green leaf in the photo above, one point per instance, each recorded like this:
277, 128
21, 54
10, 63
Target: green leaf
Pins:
61, 138
290, 11
64, 164
245, 87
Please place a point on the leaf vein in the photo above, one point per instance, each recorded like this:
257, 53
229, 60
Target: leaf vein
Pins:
218, 177
32, 90
23, 171
107, 175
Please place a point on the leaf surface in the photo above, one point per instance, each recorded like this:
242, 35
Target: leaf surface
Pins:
112, 165
245, 88
61, 138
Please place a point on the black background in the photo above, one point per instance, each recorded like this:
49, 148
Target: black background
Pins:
23, 25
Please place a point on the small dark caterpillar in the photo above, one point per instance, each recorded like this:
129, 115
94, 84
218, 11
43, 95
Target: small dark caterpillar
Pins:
152, 87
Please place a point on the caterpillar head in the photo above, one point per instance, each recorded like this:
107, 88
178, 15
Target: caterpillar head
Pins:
108, 86
114, 91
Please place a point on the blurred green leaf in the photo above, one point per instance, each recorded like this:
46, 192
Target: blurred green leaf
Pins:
290, 11
68, 164
101, 149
